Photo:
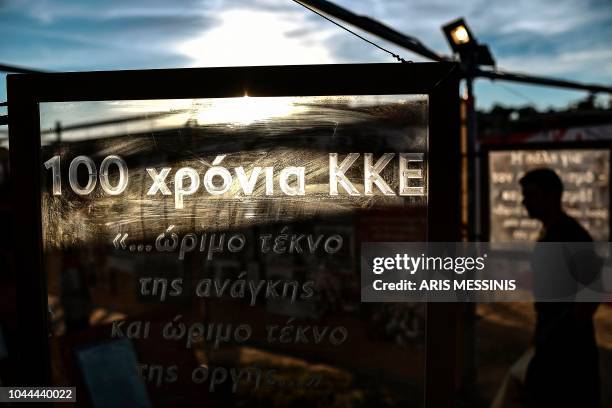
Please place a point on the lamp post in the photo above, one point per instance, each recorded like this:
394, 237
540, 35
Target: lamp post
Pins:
471, 56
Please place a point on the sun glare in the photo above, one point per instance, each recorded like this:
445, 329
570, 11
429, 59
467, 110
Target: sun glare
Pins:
258, 38
244, 110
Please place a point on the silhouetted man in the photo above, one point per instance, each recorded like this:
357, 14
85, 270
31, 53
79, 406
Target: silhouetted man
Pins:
564, 371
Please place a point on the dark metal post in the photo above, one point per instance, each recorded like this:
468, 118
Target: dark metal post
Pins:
469, 372
58, 131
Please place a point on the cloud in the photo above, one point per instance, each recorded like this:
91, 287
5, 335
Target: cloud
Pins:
255, 37
50, 11
565, 38
569, 63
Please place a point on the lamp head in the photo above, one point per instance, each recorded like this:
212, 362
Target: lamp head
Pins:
459, 36
463, 42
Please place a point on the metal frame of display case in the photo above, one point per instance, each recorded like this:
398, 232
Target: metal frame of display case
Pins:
439, 81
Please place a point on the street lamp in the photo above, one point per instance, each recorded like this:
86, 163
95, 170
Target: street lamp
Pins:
460, 35
464, 43
471, 55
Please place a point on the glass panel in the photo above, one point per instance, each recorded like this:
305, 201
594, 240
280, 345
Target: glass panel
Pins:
214, 244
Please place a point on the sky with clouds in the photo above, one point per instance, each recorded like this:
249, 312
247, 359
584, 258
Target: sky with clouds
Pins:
562, 38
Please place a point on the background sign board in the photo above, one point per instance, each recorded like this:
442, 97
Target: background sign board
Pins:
585, 174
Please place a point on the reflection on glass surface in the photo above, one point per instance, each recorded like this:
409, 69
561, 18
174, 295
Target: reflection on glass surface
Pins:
259, 266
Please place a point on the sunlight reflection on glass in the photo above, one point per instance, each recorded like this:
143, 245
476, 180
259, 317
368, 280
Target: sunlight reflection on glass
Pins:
245, 110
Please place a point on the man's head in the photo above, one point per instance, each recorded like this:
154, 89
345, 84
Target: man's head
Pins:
542, 191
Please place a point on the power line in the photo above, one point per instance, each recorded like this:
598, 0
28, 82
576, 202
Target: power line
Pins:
397, 57
536, 80
410, 43
516, 93
375, 27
